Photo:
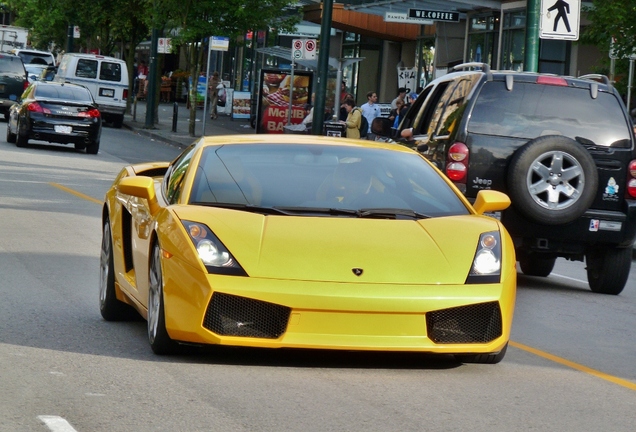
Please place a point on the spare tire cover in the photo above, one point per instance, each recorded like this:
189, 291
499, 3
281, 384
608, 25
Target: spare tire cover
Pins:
552, 180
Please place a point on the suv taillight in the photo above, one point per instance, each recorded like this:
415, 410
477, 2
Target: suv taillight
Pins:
457, 162
125, 96
630, 190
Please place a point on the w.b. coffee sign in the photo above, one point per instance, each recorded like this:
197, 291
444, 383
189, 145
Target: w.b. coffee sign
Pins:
434, 15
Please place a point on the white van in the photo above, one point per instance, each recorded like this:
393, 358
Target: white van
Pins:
105, 77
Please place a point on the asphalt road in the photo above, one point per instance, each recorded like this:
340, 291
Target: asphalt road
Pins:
570, 366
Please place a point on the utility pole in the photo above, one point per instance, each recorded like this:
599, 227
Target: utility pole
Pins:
531, 56
69, 38
323, 67
152, 81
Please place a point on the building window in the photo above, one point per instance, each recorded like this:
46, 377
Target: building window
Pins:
482, 38
513, 40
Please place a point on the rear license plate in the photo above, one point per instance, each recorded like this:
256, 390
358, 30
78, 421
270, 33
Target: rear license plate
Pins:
63, 129
106, 92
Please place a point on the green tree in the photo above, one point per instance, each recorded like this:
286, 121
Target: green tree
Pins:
197, 20
612, 20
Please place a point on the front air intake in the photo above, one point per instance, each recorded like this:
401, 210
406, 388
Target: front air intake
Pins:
478, 323
230, 315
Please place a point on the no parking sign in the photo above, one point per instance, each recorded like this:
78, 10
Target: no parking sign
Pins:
304, 49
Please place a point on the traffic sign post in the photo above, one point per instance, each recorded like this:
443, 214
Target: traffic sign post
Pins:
560, 19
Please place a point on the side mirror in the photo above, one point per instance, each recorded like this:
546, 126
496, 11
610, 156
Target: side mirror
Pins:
489, 201
140, 187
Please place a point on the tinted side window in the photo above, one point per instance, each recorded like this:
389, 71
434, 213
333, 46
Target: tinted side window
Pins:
86, 68
110, 71
531, 110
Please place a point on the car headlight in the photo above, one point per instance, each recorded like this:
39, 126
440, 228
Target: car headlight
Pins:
213, 254
486, 266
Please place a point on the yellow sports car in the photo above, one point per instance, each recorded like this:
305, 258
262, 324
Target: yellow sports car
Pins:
307, 242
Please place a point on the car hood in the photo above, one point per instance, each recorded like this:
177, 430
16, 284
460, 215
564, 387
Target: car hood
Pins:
427, 251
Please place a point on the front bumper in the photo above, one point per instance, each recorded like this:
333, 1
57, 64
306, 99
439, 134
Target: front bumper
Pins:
306, 314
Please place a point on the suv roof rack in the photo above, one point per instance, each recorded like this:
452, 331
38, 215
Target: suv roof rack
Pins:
484, 66
598, 77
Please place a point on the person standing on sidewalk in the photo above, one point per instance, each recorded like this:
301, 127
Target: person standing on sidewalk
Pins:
213, 93
371, 110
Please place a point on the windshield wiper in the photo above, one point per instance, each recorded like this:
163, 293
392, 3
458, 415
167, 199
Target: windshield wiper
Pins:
245, 207
391, 213
319, 210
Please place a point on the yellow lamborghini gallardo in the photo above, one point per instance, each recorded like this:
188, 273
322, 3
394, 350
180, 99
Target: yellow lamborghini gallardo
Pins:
307, 242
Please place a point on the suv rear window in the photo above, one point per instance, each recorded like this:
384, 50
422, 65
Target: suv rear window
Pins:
11, 64
551, 110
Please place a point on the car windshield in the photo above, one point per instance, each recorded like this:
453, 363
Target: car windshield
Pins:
30, 57
68, 93
322, 179
11, 64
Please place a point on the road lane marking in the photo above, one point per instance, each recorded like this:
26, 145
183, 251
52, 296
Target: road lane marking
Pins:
76, 193
569, 278
56, 423
607, 377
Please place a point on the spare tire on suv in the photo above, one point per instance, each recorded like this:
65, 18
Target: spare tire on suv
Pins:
552, 180
561, 147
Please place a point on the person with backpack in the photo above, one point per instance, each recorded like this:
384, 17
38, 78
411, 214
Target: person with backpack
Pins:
354, 119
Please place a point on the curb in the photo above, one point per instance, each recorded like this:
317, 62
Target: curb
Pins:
157, 136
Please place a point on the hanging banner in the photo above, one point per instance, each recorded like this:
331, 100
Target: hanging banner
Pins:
274, 97
407, 77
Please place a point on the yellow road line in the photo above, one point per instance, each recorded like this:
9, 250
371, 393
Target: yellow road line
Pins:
74, 192
621, 382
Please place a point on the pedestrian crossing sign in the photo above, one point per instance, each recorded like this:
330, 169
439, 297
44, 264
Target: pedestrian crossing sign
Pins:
560, 19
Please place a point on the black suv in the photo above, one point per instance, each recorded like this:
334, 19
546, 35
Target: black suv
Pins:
561, 147
13, 81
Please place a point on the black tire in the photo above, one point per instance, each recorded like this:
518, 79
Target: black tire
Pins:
537, 265
483, 358
93, 147
160, 341
608, 269
20, 140
11, 137
6, 116
552, 180
118, 121
110, 308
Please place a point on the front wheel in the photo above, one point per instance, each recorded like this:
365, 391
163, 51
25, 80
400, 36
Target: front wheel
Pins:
537, 265
110, 308
11, 137
483, 358
608, 269
160, 341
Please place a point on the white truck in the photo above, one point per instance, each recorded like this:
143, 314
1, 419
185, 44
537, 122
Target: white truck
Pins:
12, 37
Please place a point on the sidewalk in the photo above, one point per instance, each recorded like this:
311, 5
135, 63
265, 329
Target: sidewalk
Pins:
162, 131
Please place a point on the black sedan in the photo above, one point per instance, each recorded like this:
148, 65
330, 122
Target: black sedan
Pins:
56, 112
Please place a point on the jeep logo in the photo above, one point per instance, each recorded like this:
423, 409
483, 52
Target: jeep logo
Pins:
483, 182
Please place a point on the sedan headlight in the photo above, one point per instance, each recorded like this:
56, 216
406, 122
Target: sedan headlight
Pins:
486, 266
213, 254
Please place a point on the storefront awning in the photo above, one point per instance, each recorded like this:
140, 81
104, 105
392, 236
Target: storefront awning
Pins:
380, 7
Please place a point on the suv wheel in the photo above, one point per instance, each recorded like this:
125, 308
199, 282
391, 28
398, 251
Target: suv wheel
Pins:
608, 268
552, 180
536, 265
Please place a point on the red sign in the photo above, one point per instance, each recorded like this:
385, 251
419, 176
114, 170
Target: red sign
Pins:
276, 92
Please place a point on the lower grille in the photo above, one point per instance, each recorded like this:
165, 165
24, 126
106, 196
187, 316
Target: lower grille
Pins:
230, 315
478, 323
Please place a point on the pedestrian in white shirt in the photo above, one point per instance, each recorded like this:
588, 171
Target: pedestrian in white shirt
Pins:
370, 109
